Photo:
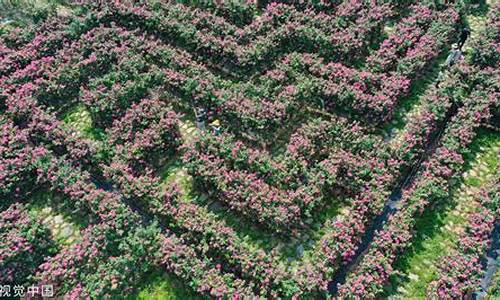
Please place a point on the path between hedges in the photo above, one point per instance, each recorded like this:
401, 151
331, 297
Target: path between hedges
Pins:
490, 265
62, 227
476, 23
391, 206
63, 230
180, 176
422, 265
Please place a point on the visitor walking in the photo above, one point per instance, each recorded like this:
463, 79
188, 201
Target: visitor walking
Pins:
200, 115
463, 37
454, 56
440, 77
216, 127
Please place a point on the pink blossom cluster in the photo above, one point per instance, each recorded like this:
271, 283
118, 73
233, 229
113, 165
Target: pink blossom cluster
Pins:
485, 50
45, 40
16, 157
147, 133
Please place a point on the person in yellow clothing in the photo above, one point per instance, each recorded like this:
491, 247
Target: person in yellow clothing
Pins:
216, 127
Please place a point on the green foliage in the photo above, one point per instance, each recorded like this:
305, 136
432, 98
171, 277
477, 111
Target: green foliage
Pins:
26, 11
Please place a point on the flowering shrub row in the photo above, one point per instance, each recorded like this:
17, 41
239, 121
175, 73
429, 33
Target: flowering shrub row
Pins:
303, 77
485, 49
309, 145
431, 186
43, 41
440, 34
15, 161
43, 127
407, 32
238, 13
146, 135
417, 40
256, 43
57, 79
22, 46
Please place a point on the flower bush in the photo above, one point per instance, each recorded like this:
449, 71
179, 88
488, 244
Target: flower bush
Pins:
280, 192
147, 133
416, 41
24, 244
301, 89
431, 186
15, 161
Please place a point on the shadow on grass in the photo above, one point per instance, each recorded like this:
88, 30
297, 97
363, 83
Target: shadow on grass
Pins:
427, 226
44, 198
484, 138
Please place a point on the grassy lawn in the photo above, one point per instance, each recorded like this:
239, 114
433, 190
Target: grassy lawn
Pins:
160, 286
79, 119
